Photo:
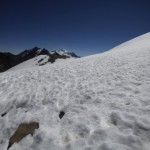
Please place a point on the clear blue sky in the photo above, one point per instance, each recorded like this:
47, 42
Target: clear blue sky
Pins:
83, 26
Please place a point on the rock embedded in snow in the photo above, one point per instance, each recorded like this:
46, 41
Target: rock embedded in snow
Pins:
3, 114
61, 114
23, 130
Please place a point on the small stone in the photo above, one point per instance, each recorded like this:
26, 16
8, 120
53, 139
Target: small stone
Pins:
2, 115
61, 114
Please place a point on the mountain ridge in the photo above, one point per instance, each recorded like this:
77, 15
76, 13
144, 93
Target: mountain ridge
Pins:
9, 60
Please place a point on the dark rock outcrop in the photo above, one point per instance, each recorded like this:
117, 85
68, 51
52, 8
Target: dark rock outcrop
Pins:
28, 54
55, 56
8, 60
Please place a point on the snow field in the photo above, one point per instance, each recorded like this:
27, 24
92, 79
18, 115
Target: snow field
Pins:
105, 97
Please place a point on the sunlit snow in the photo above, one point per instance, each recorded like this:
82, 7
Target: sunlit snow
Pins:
105, 99
34, 62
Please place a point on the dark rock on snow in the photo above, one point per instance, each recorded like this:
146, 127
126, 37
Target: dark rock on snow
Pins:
23, 130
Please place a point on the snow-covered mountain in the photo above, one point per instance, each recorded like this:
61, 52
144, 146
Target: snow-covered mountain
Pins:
31, 53
66, 53
36, 51
8, 60
38, 61
99, 102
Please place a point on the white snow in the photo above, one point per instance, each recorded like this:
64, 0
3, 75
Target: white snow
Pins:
34, 62
37, 61
105, 97
62, 52
60, 60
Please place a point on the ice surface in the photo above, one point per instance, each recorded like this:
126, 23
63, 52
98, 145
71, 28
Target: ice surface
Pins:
105, 99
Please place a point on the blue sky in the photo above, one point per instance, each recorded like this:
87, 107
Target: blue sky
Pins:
83, 26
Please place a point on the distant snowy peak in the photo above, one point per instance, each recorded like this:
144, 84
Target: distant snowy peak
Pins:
64, 52
30, 53
53, 55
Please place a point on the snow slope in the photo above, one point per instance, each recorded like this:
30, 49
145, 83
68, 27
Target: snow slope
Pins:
37, 61
105, 97
34, 62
